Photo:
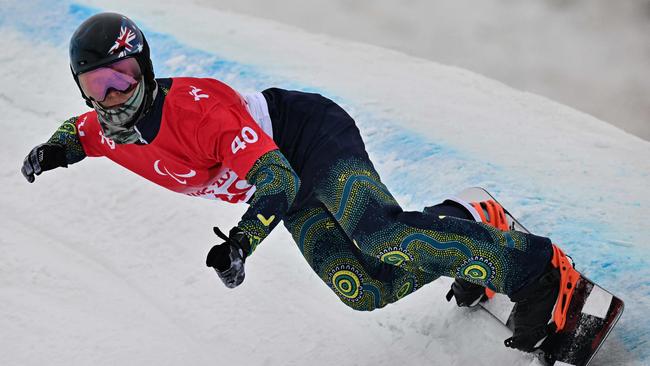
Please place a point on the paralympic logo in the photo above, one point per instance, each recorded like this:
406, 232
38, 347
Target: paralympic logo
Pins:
176, 176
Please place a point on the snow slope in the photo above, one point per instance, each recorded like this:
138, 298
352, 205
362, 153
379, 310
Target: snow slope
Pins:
99, 266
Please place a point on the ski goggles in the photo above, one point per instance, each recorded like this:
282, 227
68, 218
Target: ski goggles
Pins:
121, 75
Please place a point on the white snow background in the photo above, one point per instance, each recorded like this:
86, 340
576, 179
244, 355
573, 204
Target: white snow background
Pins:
98, 266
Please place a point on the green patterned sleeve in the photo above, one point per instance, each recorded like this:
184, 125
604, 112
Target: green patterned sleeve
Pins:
68, 136
276, 186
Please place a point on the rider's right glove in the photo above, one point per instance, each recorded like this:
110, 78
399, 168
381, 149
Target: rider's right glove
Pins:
43, 157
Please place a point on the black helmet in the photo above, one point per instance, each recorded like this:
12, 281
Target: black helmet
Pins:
105, 38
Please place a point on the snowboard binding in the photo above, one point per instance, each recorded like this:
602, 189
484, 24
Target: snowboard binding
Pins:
492, 213
541, 308
577, 315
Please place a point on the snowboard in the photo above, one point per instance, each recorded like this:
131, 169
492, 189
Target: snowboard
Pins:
592, 313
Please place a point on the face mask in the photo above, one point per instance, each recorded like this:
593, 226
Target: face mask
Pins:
118, 123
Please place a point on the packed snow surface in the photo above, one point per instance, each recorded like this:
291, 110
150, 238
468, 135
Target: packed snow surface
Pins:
98, 266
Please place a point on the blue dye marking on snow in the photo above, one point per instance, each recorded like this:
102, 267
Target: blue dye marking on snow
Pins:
415, 167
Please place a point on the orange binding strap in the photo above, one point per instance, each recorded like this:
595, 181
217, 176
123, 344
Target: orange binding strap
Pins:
568, 279
479, 209
492, 214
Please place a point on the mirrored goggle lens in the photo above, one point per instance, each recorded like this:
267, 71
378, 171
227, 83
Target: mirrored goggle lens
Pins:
120, 75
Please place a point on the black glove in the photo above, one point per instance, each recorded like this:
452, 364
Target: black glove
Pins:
228, 258
43, 157
466, 293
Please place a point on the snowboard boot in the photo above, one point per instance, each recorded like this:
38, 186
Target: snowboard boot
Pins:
541, 306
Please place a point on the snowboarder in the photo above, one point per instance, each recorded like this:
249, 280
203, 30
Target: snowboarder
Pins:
298, 158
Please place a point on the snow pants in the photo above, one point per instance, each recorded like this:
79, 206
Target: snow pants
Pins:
355, 235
